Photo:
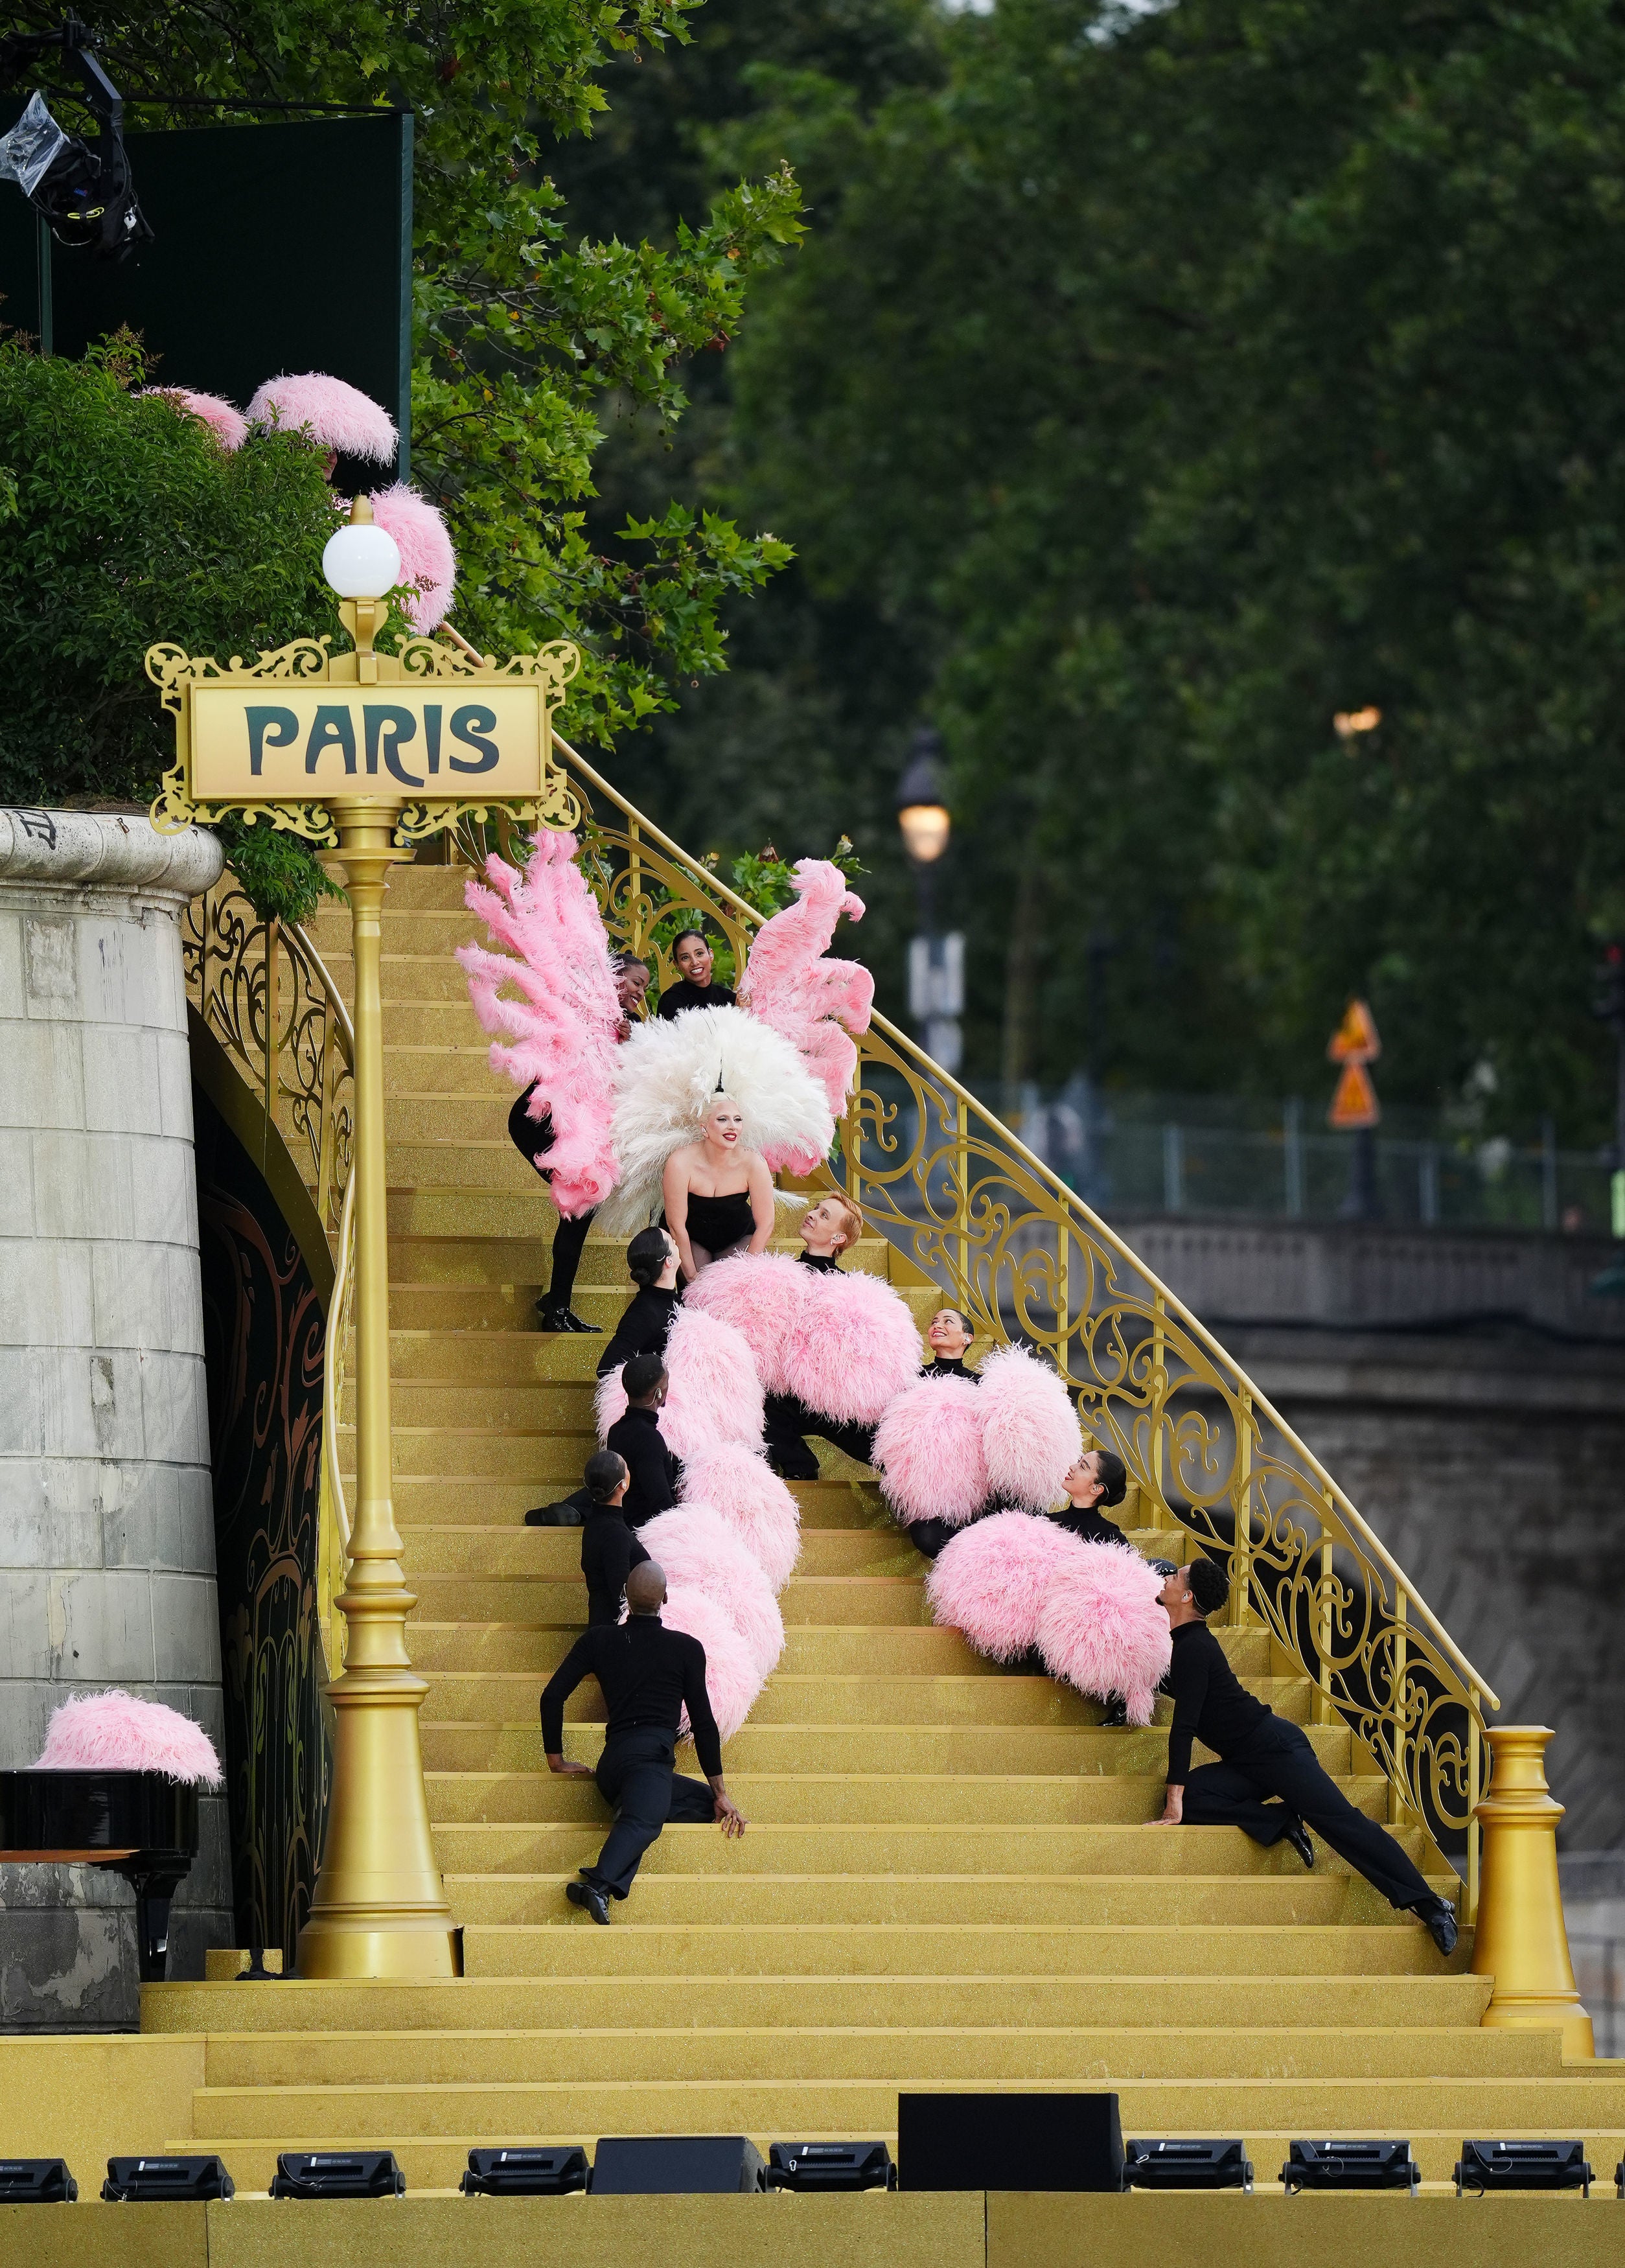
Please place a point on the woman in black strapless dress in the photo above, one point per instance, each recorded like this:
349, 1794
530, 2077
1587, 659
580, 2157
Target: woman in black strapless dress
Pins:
706, 1219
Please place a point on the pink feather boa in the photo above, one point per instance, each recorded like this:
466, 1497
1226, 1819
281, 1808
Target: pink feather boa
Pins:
562, 1033
428, 562
739, 1485
1030, 1433
815, 1002
118, 1732
699, 1550
336, 415
991, 1581
929, 1453
845, 1342
732, 1680
1102, 1629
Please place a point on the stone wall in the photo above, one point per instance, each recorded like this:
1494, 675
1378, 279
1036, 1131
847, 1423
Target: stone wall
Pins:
106, 1539
1469, 1393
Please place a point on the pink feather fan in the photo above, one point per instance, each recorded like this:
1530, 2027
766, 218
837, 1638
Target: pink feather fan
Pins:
766, 1297
698, 1550
561, 1032
713, 1395
336, 415
855, 1347
739, 1485
428, 562
991, 1581
1030, 1434
732, 1680
815, 1002
1101, 1628
116, 1731
928, 1451
223, 418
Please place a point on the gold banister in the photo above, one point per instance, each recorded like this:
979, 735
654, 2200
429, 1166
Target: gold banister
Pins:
1019, 1251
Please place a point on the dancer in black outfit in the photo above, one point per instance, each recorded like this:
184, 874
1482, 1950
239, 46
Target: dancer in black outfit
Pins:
646, 1324
1098, 1477
637, 1437
694, 988
1261, 1755
648, 1675
828, 1230
533, 1138
949, 1338
609, 1551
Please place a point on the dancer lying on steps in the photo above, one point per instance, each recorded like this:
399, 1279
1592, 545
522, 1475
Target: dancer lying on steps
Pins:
718, 1194
648, 1675
1260, 1756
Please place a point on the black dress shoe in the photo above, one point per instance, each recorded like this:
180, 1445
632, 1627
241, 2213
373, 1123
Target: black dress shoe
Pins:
590, 1896
555, 1515
1116, 1712
573, 1322
1437, 1917
1297, 1835
792, 1460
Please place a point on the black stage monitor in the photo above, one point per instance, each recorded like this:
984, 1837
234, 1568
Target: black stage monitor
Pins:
1342, 2165
275, 248
1188, 2164
525, 2173
830, 2166
337, 2174
676, 2165
37, 2181
1009, 2142
1484, 2166
166, 2181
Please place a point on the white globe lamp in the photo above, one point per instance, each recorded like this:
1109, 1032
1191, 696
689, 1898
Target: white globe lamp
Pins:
360, 560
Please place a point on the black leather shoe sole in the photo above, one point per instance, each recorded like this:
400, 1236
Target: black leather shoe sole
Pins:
584, 1894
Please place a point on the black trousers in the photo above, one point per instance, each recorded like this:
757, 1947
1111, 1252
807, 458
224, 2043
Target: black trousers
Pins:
533, 1137
1278, 1761
787, 1421
635, 1774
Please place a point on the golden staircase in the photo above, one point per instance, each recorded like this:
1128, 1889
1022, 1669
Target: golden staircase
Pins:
949, 1879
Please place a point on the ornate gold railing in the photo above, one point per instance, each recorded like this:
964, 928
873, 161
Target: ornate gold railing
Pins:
1211, 1458
261, 993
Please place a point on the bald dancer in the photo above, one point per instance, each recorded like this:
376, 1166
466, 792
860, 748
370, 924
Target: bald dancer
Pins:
648, 1674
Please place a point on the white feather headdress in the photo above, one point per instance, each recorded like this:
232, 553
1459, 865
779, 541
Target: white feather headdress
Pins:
666, 1077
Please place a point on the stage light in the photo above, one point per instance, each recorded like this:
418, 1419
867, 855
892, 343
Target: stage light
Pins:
1349, 2165
37, 2181
84, 195
1484, 2166
360, 559
525, 2173
808, 2165
337, 2174
166, 2181
1187, 2165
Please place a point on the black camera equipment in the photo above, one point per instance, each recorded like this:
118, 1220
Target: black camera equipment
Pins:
82, 192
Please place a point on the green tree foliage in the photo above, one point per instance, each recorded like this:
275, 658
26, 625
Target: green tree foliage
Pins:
1172, 383
520, 328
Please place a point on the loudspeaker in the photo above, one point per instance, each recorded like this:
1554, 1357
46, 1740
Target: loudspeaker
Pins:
37, 2181
525, 2173
1349, 2165
830, 2166
161, 2180
1187, 2166
337, 2174
676, 2165
1067, 2142
1523, 2165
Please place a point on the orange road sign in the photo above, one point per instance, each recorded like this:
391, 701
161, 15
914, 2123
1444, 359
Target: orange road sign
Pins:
1355, 1103
1355, 1040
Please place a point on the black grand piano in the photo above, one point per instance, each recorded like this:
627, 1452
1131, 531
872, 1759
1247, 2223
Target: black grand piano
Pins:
141, 1824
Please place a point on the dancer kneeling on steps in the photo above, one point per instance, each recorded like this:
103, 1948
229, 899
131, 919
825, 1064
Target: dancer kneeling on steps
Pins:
1262, 1756
648, 1675
828, 1228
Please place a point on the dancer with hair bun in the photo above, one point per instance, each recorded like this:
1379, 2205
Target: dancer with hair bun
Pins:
646, 1324
718, 1195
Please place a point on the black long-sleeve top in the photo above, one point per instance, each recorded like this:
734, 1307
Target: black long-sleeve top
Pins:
683, 995
645, 1327
828, 1263
609, 1551
1089, 1524
654, 1470
648, 1675
1209, 1702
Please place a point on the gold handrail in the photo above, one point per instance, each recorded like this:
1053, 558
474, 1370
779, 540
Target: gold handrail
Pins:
1206, 1451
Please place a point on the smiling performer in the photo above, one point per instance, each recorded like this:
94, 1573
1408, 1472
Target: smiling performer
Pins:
828, 1230
694, 988
718, 1195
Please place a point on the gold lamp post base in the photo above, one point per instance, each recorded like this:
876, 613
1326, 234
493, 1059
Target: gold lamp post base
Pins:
1521, 1939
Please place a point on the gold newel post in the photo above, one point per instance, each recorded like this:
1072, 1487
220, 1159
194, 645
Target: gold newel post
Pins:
1521, 1939
377, 751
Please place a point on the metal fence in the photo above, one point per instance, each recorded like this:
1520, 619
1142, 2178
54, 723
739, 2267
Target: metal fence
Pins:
1137, 1153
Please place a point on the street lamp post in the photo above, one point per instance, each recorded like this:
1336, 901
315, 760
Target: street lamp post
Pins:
936, 964
373, 752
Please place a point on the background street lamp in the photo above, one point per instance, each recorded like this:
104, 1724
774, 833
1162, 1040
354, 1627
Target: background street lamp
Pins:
936, 964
